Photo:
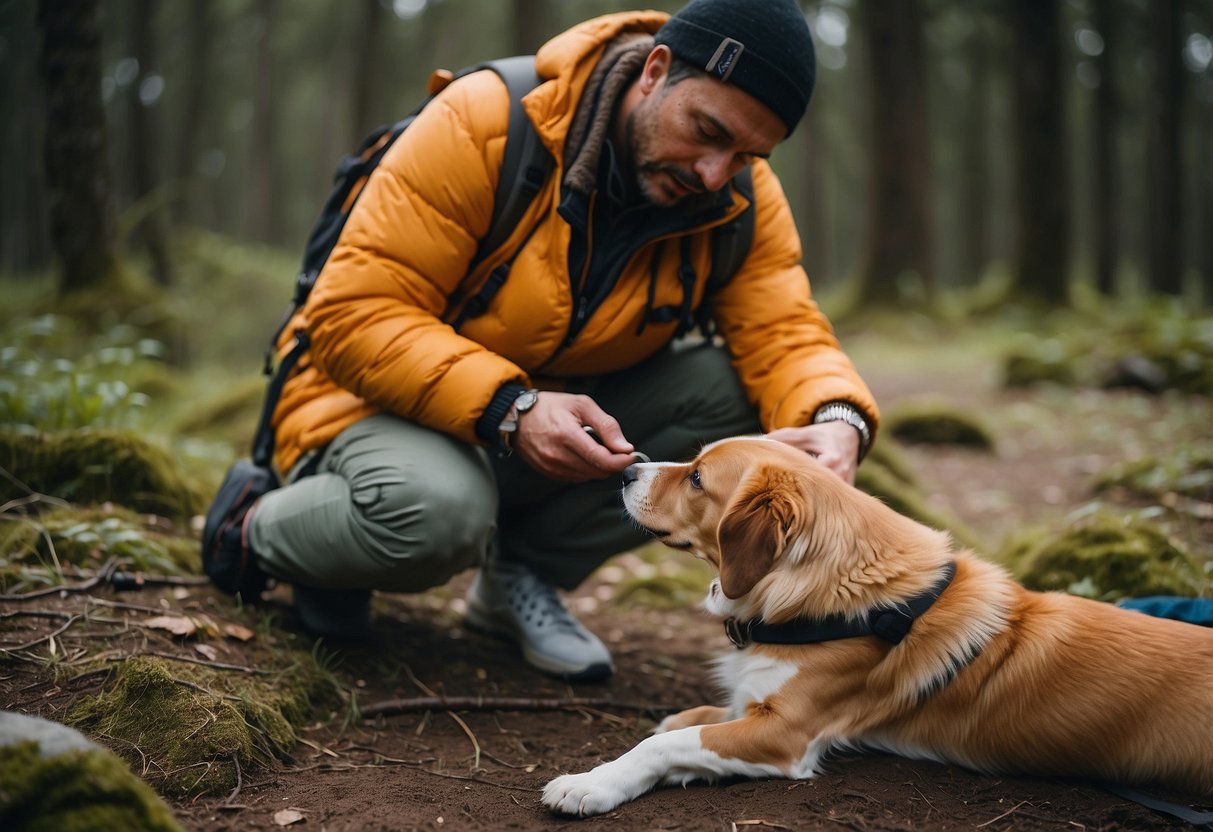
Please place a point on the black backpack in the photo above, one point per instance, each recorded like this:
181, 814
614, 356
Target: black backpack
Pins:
525, 168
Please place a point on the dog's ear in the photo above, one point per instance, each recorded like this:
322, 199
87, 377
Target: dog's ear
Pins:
754, 532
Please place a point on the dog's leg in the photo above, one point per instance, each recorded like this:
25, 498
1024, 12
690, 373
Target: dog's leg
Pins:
754, 746
703, 715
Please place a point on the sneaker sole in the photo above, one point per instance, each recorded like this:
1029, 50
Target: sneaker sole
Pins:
483, 622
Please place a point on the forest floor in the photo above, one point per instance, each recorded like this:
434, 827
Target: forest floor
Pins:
483, 769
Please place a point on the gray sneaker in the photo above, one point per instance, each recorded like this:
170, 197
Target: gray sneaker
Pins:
509, 600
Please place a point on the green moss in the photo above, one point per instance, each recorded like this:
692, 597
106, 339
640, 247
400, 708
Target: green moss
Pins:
1107, 556
672, 587
1188, 472
1025, 368
938, 423
79, 791
188, 739
231, 416
88, 537
887, 454
97, 466
906, 499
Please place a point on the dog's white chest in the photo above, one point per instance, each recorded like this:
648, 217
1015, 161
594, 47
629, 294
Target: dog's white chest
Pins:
748, 676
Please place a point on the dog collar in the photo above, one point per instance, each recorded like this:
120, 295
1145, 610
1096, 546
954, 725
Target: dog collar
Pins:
889, 623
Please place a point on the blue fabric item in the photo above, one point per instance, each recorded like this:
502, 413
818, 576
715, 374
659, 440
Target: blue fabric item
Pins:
1192, 610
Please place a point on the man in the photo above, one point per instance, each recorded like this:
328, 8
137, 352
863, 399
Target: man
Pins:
497, 444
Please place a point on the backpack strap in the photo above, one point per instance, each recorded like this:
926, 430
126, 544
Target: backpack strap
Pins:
525, 167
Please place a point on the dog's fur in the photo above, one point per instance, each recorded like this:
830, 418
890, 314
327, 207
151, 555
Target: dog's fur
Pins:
992, 676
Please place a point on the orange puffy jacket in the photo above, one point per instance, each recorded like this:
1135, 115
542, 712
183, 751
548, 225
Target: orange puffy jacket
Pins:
375, 315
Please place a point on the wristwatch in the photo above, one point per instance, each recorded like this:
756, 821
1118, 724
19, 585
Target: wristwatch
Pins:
509, 425
849, 413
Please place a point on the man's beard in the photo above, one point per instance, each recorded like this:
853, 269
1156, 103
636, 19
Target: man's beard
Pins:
647, 171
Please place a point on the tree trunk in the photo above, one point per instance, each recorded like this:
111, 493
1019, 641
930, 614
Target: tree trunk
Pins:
816, 222
1104, 192
898, 234
77, 168
366, 72
1165, 222
24, 243
1040, 259
975, 185
198, 82
260, 222
152, 230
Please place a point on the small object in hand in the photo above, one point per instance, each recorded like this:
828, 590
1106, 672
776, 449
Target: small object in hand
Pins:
640, 457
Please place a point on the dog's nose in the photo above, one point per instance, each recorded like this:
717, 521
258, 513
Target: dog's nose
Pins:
630, 475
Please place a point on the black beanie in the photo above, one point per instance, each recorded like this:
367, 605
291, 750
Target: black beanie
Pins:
760, 46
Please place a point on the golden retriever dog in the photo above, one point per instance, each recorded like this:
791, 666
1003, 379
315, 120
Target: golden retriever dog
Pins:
861, 628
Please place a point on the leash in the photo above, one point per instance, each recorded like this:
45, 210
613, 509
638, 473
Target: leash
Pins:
1175, 810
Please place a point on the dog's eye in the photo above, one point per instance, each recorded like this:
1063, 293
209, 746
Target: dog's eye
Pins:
696, 482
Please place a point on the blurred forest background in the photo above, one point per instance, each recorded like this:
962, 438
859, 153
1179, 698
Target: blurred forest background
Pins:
1050, 142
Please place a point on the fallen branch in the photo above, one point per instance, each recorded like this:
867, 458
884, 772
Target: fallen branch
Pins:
394, 707
37, 641
84, 586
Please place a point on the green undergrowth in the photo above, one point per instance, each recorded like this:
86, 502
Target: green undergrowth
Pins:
78, 791
1187, 472
230, 415
98, 466
1108, 555
886, 476
1159, 347
186, 727
35, 548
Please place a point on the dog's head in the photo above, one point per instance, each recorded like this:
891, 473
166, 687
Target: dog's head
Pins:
787, 536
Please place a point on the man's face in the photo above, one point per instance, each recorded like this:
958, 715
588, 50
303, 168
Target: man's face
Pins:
694, 136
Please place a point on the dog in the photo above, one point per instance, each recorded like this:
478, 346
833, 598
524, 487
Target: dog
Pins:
863, 629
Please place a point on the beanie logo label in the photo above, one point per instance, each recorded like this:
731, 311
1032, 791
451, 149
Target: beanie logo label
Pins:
724, 60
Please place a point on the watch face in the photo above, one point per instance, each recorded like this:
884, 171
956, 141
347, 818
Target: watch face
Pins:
526, 401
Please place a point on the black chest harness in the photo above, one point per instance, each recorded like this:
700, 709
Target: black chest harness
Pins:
889, 623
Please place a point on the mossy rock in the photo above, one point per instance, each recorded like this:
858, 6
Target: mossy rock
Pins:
88, 537
190, 741
97, 466
938, 423
1051, 364
1108, 556
77, 791
904, 498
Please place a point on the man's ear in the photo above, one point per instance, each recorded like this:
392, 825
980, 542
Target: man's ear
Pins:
753, 533
656, 68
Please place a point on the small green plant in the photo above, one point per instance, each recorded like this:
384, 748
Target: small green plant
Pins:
54, 378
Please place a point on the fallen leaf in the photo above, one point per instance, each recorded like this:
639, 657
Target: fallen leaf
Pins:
208, 651
285, 817
178, 625
237, 631
180, 593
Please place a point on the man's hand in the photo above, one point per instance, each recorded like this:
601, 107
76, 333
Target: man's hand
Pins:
835, 444
552, 439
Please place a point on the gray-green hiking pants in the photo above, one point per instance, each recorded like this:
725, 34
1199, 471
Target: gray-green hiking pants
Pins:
399, 507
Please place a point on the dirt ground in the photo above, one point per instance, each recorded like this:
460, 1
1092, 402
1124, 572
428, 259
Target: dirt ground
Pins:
482, 769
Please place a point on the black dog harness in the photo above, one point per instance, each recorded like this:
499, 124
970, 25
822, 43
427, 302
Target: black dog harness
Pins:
889, 623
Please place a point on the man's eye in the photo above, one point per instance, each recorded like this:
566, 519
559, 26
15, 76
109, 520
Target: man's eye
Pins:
696, 482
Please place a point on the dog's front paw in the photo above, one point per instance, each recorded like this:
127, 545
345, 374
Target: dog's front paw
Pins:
591, 793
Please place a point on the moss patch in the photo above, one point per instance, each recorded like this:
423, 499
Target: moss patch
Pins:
1107, 556
1188, 472
94, 466
33, 548
160, 718
938, 423
80, 791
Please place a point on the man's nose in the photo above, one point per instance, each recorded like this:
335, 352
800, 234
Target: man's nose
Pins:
716, 169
